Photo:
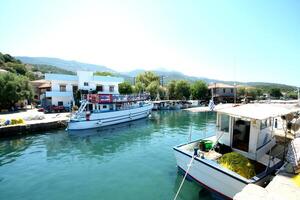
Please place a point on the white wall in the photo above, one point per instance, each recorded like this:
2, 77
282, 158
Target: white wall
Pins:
66, 100
86, 76
69, 85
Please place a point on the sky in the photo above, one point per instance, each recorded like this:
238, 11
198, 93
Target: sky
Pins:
238, 40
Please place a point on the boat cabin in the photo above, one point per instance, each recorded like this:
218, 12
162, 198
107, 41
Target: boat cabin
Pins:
248, 129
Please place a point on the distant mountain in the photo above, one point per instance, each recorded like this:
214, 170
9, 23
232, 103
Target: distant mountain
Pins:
69, 65
171, 75
45, 63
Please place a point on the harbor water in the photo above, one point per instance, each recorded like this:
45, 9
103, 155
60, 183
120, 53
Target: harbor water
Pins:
131, 161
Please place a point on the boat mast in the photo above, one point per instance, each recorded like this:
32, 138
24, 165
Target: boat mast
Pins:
298, 96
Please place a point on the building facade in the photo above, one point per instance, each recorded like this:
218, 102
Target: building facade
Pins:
64, 87
222, 92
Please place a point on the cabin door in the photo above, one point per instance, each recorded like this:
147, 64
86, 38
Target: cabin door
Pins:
240, 133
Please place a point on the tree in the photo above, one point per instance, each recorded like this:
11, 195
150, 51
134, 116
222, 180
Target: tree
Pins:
199, 90
171, 89
18, 68
252, 92
259, 92
292, 95
275, 92
104, 74
13, 89
241, 91
182, 89
125, 88
138, 88
153, 89
146, 78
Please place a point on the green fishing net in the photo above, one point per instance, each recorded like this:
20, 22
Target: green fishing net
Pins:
237, 163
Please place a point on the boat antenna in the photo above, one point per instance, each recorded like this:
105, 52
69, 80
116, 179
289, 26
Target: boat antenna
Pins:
234, 84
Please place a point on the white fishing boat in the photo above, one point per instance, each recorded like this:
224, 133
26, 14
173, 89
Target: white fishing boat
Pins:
246, 129
98, 110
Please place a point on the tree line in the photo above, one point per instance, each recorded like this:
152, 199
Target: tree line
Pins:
176, 89
181, 89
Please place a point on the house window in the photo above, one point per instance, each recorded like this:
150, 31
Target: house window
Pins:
231, 90
111, 88
62, 88
224, 90
99, 88
86, 84
60, 103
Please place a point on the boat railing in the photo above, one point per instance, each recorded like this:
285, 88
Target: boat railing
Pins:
124, 98
80, 110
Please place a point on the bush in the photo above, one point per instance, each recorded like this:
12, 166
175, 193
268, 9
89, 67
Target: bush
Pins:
237, 163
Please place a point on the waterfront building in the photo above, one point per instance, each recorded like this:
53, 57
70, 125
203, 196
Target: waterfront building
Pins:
40, 87
64, 87
222, 92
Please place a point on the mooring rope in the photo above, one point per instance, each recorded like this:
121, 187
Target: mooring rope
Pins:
181, 184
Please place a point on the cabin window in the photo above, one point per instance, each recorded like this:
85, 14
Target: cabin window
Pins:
265, 124
99, 88
86, 84
62, 88
111, 88
224, 123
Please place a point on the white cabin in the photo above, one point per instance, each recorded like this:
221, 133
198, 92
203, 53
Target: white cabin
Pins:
248, 129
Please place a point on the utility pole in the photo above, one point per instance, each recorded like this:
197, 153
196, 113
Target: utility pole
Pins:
162, 80
134, 80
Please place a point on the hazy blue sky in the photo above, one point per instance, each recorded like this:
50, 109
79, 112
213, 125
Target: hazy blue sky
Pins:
229, 40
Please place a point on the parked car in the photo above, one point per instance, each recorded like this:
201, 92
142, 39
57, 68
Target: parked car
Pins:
55, 109
40, 108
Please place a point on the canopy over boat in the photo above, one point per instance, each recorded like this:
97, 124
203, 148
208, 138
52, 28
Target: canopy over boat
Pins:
260, 111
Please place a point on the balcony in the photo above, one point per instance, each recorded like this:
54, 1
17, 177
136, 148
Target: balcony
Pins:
58, 94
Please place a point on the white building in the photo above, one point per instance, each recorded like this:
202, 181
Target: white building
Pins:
63, 86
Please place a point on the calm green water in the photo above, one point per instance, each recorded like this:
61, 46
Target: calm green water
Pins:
128, 161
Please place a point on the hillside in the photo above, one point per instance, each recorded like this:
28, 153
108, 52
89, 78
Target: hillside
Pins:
172, 75
50, 69
69, 65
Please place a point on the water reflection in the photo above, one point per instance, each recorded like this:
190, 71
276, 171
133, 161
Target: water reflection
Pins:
10, 150
97, 143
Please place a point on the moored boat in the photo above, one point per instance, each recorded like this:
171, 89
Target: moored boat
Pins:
98, 110
247, 130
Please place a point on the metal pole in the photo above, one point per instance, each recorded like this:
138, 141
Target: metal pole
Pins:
234, 93
298, 97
